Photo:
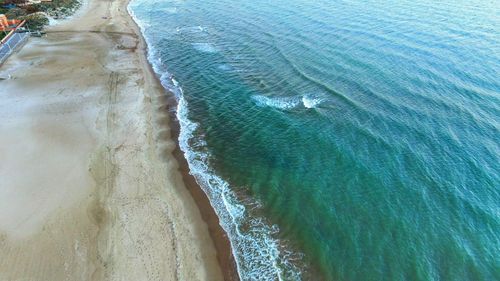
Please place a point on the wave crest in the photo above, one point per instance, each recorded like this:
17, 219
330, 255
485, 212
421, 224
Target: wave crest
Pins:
284, 103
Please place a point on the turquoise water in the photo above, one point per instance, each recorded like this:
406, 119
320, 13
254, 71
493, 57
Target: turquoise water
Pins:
341, 140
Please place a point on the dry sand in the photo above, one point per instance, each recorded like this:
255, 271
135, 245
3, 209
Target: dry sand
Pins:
89, 189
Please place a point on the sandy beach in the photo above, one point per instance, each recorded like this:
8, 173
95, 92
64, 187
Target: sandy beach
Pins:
89, 186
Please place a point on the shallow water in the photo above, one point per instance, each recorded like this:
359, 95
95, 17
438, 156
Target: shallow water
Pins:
341, 140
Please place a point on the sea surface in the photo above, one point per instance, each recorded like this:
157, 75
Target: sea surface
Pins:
340, 140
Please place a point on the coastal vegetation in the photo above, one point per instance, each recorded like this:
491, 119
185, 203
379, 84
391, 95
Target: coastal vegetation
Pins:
59, 8
37, 13
35, 21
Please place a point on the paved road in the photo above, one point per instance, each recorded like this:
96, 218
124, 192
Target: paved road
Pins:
12, 42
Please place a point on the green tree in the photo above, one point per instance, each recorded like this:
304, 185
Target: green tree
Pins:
35, 21
15, 13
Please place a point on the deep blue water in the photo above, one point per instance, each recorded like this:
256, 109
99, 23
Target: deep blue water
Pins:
341, 140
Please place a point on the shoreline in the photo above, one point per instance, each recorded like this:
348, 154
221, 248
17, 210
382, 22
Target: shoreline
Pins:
95, 184
219, 236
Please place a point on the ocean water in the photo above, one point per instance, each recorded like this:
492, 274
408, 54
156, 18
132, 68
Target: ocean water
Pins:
340, 140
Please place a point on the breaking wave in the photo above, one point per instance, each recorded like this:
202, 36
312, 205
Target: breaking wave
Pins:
258, 254
284, 103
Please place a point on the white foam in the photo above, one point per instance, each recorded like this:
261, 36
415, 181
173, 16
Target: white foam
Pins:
190, 29
225, 67
286, 103
276, 102
310, 101
205, 47
170, 10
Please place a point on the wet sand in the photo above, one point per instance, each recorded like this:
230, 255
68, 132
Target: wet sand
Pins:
219, 236
89, 185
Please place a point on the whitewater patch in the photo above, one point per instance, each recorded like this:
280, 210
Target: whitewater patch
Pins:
279, 103
286, 103
170, 10
311, 102
205, 47
225, 67
190, 29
